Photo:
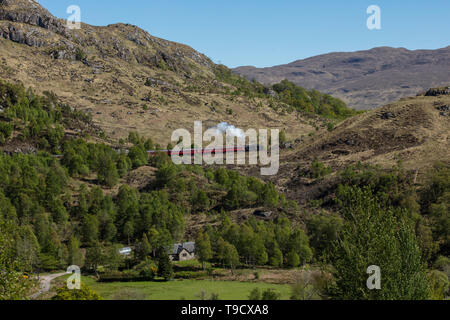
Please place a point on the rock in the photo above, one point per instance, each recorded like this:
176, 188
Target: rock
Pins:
340, 152
349, 142
387, 115
272, 93
33, 14
152, 82
287, 145
61, 54
433, 92
443, 108
262, 214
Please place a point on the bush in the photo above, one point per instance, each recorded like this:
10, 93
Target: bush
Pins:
84, 293
80, 55
319, 170
129, 276
270, 294
439, 284
255, 294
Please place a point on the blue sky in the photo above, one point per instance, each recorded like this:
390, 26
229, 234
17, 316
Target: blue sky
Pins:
265, 33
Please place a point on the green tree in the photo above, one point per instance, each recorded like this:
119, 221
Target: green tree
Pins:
203, 250
138, 156
165, 268
276, 260
123, 165
13, 285
27, 247
166, 175
230, 256
128, 230
112, 258
144, 247
90, 229
323, 230
259, 251
269, 195
107, 172
75, 255
374, 234
201, 200
293, 260
94, 256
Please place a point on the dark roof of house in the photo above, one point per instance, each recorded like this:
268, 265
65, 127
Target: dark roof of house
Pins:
178, 247
261, 213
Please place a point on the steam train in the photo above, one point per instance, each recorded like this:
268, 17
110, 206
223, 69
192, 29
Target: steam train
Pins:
223, 150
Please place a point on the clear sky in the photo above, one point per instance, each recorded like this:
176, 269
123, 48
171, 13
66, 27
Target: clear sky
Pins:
265, 33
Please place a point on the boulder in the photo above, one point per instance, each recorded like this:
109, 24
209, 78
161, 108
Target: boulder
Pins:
387, 115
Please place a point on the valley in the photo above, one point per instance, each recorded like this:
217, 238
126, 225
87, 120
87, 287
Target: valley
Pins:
86, 118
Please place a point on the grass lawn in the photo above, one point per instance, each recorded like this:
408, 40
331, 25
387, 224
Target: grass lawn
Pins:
180, 289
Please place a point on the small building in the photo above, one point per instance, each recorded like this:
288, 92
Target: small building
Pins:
262, 214
182, 251
126, 251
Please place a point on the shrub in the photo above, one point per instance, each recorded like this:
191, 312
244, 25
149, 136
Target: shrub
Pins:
84, 293
80, 55
255, 294
128, 276
270, 294
319, 170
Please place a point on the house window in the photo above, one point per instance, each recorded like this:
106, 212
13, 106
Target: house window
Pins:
184, 255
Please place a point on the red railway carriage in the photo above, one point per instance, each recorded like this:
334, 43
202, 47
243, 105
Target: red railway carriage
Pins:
207, 150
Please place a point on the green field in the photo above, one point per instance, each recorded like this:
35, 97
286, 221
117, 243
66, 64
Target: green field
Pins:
181, 289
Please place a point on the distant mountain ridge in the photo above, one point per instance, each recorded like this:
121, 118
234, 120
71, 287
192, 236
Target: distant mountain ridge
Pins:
363, 79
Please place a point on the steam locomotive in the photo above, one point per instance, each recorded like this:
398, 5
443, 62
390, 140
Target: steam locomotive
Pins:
223, 150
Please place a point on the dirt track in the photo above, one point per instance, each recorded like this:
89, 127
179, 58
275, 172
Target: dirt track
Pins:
45, 281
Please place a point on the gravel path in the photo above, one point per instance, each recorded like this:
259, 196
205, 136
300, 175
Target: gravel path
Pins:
45, 281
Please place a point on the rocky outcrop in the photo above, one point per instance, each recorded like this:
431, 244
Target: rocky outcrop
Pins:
433, 92
26, 22
31, 13
20, 35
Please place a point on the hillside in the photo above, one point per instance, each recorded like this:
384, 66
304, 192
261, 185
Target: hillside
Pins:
363, 79
79, 111
413, 131
129, 80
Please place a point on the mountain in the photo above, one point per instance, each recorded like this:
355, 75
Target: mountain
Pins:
363, 79
129, 80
